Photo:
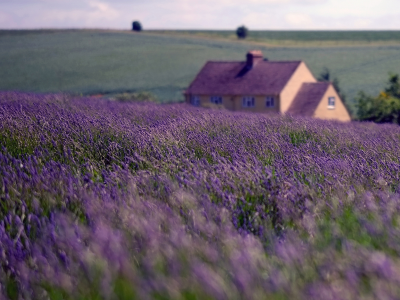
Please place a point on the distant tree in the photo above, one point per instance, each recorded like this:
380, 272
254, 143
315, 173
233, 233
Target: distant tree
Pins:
325, 76
393, 86
384, 108
136, 26
242, 32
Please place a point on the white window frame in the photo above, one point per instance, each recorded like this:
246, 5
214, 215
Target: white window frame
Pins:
248, 101
331, 102
270, 101
195, 100
216, 100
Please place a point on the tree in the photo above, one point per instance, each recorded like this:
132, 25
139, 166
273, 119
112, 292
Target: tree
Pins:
242, 32
393, 86
384, 108
325, 76
136, 26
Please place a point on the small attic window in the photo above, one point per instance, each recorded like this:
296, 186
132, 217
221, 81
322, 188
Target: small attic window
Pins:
331, 102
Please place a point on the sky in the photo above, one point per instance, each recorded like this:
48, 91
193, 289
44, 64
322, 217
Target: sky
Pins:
205, 14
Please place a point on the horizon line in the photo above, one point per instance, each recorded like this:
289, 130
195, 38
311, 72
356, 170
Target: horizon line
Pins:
184, 29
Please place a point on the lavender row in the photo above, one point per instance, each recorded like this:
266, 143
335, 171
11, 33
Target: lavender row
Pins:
108, 200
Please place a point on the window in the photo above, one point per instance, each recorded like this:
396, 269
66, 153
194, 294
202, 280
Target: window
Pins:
270, 102
248, 102
216, 99
331, 102
195, 100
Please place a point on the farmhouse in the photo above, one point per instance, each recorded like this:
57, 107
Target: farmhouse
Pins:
260, 85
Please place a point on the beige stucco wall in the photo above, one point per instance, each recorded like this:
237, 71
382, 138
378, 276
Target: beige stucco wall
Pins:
205, 100
339, 113
259, 104
235, 103
289, 92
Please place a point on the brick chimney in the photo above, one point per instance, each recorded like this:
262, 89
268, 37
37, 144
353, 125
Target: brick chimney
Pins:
253, 58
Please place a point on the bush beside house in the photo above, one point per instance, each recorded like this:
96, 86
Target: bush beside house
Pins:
384, 108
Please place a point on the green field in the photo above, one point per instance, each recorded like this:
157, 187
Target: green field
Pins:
299, 38
164, 63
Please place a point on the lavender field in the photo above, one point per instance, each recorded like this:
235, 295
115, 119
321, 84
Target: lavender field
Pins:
109, 200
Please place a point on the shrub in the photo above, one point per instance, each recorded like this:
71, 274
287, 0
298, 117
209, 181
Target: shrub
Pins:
384, 108
242, 32
381, 109
393, 86
136, 26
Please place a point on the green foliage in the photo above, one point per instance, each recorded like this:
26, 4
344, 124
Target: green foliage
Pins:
242, 32
136, 26
384, 108
299, 137
249, 213
393, 86
12, 289
17, 147
134, 97
123, 289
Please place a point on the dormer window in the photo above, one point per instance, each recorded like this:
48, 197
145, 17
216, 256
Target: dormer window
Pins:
216, 99
270, 102
248, 101
331, 102
195, 100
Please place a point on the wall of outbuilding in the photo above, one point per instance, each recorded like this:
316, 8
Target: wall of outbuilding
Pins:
289, 92
339, 112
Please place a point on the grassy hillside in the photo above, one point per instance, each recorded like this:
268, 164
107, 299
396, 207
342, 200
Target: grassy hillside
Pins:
91, 62
300, 38
110, 200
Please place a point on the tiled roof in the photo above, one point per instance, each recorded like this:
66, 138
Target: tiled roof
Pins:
236, 78
308, 98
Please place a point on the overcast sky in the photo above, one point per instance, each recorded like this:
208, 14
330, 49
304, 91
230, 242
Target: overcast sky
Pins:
205, 14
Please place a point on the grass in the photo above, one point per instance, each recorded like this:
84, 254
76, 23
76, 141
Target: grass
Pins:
299, 38
164, 63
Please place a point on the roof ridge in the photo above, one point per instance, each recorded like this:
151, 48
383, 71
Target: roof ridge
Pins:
268, 61
225, 61
319, 82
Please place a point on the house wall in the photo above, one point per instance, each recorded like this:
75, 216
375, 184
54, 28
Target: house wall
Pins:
226, 100
235, 103
339, 113
259, 104
289, 92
